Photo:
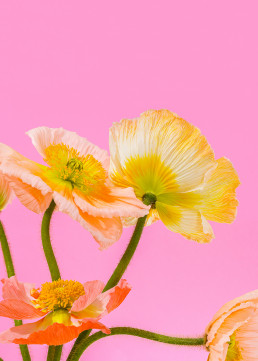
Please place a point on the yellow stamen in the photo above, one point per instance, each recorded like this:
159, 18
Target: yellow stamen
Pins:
233, 353
58, 294
67, 166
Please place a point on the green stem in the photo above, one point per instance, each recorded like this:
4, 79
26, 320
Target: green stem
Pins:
46, 243
127, 256
10, 272
138, 333
54, 352
118, 272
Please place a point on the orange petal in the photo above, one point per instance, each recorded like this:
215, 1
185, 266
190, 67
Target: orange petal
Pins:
219, 201
56, 334
92, 290
112, 202
188, 222
19, 310
105, 231
117, 294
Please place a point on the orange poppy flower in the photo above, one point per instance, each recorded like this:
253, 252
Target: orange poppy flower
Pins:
76, 177
66, 309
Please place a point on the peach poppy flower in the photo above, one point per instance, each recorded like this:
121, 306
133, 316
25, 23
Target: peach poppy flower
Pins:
76, 178
67, 308
232, 335
169, 163
6, 193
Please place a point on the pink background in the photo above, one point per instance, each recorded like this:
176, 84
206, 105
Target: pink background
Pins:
85, 64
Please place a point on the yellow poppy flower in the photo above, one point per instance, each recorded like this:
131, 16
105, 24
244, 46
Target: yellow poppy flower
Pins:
171, 166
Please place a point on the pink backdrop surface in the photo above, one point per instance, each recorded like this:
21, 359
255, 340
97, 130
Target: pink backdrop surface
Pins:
85, 64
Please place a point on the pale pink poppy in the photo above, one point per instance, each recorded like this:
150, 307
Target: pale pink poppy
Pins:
66, 309
76, 178
232, 335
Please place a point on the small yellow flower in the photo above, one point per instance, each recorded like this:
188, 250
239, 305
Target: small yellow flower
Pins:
171, 166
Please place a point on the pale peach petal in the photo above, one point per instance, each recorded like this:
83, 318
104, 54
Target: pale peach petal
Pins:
55, 334
24, 177
105, 231
183, 148
218, 197
32, 198
13, 289
188, 222
112, 202
19, 310
233, 304
92, 290
6, 193
43, 137
247, 336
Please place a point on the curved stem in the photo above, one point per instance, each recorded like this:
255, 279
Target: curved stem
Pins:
138, 333
54, 352
127, 256
10, 272
46, 243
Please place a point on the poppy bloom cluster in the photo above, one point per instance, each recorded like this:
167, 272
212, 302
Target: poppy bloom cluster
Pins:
161, 168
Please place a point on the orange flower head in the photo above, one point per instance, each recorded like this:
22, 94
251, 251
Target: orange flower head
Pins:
66, 308
76, 178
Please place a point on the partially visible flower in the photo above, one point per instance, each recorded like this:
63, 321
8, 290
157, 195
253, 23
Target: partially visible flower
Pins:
232, 335
76, 178
67, 308
170, 165
6, 193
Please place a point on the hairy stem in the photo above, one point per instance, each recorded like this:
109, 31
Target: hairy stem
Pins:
46, 243
10, 272
54, 352
138, 333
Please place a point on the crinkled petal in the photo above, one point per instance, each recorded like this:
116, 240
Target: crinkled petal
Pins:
19, 310
188, 222
178, 145
219, 201
92, 290
105, 231
153, 217
24, 176
43, 137
113, 202
13, 289
6, 193
247, 337
55, 334
250, 298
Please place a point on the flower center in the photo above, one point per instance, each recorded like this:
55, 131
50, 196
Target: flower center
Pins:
57, 295
233, 353
67, 165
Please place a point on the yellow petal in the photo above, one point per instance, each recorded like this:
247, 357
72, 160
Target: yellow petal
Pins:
218, 196
159, 152
188, 222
